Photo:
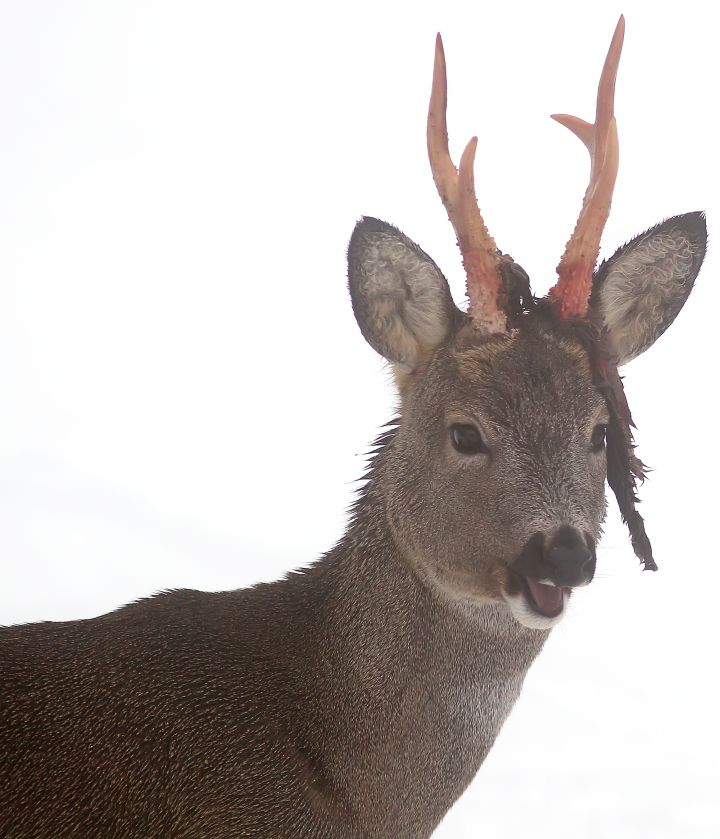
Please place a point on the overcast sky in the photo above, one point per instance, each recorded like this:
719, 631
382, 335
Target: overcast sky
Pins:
186, 398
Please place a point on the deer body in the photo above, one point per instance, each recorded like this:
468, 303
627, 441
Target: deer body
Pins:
347, 700
359, 696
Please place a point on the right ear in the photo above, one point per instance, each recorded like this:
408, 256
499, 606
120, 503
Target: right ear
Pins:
401, 300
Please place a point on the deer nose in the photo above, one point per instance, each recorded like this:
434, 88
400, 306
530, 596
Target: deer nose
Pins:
570, 566
568, 559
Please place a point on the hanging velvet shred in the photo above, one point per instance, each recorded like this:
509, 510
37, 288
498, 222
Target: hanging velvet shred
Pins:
624, 468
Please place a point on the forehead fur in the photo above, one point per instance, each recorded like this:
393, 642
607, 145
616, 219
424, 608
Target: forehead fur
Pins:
516, 375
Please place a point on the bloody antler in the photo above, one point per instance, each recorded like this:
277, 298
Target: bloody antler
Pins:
457, 191
572, 290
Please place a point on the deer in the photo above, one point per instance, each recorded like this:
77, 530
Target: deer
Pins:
359, 695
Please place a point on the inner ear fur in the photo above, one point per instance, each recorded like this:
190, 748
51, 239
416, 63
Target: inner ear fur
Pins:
400, 298
640, 290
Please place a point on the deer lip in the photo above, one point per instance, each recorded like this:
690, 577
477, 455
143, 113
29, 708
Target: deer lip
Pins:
546, 600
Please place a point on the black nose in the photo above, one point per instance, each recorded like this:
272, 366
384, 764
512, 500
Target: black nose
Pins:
570, 566
566, 558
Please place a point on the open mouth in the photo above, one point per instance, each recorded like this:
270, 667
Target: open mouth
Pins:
545, 599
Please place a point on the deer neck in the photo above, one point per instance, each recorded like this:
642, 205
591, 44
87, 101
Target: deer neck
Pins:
425, 683
397, 636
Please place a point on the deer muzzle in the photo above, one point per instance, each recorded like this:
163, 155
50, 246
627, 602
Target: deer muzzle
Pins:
548, 567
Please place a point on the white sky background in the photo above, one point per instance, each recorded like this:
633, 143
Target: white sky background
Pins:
186, 398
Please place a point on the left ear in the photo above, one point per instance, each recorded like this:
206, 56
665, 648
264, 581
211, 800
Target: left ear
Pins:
639, 291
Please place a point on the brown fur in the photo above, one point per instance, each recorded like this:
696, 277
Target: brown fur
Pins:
356, 697
305, 707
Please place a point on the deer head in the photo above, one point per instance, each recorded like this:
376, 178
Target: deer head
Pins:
512, 413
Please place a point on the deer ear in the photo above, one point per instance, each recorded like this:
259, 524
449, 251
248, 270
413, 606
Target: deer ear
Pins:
639, 291
401, 300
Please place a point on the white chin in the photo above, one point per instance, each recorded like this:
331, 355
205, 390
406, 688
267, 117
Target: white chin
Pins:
524, 613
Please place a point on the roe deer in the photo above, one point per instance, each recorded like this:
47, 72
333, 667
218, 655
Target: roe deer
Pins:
357, 697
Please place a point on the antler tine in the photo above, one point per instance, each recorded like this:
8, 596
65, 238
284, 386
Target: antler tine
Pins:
575, 270
457, 191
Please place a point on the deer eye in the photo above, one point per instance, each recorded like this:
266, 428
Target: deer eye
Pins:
467, 439
597, 441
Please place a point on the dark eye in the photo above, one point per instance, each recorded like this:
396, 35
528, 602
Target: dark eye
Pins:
597, 441
467, 439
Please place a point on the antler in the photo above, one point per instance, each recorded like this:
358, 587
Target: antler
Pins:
572, 290
457, 191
